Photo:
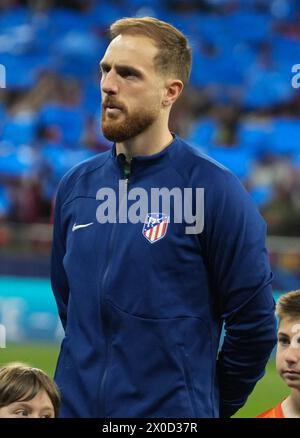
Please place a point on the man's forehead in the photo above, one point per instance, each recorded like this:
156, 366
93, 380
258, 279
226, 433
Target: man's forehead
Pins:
127, 47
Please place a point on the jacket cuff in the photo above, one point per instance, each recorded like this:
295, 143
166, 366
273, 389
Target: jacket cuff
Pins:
228, 409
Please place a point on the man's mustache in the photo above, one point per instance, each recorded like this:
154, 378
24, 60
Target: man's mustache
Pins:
110, 103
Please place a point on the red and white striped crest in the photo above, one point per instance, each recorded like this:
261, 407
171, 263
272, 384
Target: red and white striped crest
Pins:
155, 226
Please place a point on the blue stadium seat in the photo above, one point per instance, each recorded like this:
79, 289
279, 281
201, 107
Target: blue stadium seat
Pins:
247, 26
236, 158
17, 16
203, 132
211, 28
91, 98
256, 136
106, 12
56, 160
284, 9
69, 122
296, 161
17, 162
286, 136
262, 195
66, 19
228, 66
20, 129
2, 118
5, 201
60, 159
284, 280
22, 70
266, 88
143, 3
78, 54
285, 50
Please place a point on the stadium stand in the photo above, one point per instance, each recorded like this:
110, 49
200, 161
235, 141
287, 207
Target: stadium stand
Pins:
240, 107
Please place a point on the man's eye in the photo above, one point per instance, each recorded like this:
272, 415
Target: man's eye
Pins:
46, 416
128, 74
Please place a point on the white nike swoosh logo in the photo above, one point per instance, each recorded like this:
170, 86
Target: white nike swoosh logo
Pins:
77, 227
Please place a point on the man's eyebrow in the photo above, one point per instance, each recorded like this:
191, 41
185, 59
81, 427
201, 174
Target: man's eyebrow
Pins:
103, 64
122, 68
130, 69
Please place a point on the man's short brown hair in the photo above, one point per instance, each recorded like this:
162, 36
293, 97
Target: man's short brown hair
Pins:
175, 55
19, 382
288, 305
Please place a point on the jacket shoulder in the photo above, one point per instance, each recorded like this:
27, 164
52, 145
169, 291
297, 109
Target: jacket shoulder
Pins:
190, 161
199, 170
76, 173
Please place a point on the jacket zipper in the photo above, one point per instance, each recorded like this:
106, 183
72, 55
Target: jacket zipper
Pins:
105, 317
127, 184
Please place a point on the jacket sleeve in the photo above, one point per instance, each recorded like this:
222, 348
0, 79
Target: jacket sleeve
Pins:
241, 278
59, 281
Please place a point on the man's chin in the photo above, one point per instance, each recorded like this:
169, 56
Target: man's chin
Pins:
114, 135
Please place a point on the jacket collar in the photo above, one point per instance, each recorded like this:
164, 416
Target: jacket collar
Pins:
147, 160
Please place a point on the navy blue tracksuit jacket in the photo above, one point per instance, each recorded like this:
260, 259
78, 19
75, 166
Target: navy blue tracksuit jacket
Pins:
143, 318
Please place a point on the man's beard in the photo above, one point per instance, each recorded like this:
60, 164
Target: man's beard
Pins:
130, 126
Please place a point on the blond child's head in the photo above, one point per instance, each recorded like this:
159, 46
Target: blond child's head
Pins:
288, 345
27, 392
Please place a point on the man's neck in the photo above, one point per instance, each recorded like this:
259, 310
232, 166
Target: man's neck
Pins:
144, 144
291, 406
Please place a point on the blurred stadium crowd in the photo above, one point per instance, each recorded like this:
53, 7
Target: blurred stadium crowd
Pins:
240, 107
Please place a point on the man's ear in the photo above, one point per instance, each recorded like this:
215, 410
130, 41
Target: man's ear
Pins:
173, 89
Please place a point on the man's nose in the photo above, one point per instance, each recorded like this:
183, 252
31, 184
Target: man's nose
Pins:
109, 83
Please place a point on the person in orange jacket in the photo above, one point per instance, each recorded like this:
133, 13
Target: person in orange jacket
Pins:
288, 356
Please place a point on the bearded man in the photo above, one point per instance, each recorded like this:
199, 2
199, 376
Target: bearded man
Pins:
143, 302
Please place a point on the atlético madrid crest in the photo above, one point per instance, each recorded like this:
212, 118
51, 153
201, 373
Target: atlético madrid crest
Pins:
155, 226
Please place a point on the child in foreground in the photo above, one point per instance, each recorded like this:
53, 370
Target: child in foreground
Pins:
27, 392
288, 355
